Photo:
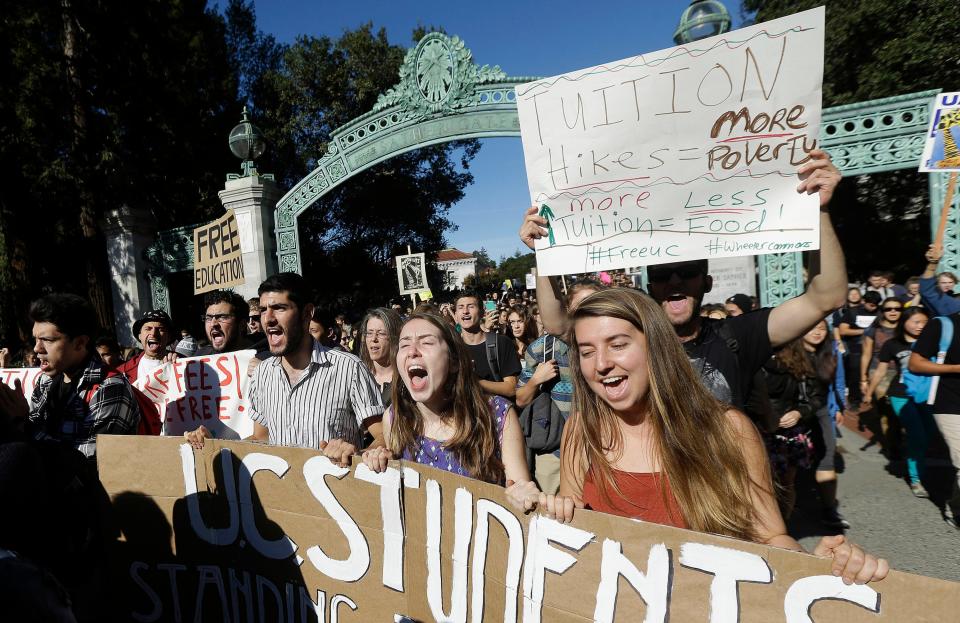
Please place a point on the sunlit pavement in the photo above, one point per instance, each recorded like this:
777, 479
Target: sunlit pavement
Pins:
875, 498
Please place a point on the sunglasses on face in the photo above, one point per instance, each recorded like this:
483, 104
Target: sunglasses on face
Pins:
660, 274
889, 309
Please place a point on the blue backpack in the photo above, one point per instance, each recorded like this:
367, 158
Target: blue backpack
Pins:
921, 387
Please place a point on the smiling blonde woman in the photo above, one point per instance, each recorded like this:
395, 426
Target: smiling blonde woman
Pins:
647, 440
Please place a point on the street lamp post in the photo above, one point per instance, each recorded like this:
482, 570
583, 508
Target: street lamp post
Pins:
247, 143
702, 19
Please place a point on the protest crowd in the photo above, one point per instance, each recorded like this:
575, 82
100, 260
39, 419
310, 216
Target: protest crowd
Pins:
583, 393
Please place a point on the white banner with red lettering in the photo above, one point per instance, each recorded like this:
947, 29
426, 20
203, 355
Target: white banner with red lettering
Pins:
210, 390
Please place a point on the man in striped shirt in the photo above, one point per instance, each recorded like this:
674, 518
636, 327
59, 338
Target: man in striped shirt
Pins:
306, 394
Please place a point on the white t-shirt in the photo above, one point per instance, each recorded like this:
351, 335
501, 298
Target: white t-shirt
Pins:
147, 365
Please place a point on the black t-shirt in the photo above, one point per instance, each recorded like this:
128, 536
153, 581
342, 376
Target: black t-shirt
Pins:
725, 373
858, 318
897, 352
948, 393
507, 359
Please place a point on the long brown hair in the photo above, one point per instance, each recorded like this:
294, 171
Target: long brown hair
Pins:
801, 365
695, 443
475, 441
529, 326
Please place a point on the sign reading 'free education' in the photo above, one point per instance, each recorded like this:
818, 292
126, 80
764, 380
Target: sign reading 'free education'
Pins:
217, 258
682, 154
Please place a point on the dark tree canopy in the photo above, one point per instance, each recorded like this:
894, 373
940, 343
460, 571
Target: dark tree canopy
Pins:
106, 104
103, 104
875, 49
349, 237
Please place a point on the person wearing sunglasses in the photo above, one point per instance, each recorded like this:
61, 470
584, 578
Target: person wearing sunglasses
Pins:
874, 337
254, 328
727, 353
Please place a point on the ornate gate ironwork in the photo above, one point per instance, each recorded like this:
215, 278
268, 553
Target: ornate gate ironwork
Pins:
443, 96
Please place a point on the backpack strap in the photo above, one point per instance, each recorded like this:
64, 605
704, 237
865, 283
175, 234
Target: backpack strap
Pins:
493, 355
726, 334
946, 337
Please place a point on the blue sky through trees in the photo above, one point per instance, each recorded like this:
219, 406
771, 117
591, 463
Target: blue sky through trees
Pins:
525, 38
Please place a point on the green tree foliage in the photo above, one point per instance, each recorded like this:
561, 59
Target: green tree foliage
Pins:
517, 266
103, 104
484, 260
874, 49
489, 276
349, 237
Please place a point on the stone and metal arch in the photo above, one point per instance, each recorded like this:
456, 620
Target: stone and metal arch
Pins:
441, 96
864, 138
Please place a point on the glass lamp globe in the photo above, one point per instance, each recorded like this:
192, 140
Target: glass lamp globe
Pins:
702, 19
246, 139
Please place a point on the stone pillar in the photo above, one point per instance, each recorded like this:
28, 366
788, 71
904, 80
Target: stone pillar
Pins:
129, 231
253, 199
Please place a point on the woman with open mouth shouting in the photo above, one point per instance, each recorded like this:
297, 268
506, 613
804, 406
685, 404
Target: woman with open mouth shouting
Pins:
440, 416
647, 440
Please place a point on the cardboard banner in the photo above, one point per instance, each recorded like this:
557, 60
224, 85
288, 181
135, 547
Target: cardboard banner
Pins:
217, 258
250, 532
940, 152
210, 390
681, 154
412, 273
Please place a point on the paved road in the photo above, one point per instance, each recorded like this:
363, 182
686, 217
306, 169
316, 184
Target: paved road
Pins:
886, 518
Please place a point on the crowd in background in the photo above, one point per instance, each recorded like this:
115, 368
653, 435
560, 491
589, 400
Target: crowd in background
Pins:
585, 392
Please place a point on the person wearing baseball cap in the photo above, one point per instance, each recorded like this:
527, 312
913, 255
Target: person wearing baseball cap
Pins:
738, 304
154, 330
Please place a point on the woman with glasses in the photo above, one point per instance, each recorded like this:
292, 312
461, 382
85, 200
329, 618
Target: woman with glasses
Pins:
917, 418
874, 337
378, 347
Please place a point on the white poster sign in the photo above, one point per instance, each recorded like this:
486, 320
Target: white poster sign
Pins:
211, 390
681, 154
940, 153
412, 273
731, 275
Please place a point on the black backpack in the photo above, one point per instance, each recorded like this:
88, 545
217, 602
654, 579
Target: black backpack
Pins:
541, 420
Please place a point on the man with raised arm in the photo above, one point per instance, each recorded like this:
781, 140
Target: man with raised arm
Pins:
934, 296
727, 353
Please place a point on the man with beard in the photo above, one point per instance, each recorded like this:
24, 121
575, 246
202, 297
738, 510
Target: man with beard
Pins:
727, 353
76, 397
306, 394
224, 319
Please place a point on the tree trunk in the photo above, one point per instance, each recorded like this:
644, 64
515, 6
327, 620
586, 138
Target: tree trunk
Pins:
91, 246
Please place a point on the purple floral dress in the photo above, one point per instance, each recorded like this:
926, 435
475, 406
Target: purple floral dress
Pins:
431, 452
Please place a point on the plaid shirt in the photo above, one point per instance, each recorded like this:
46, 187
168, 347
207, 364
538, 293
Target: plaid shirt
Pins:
98, 404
